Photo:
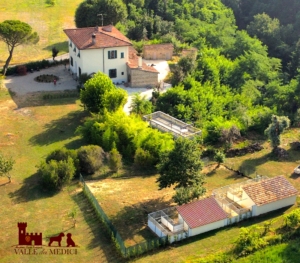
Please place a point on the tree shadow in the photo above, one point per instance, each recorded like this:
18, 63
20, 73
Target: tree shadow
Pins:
60, 129
248, 166
61, 46
293, 153
30, 190
132, 220
101, 237
35, 99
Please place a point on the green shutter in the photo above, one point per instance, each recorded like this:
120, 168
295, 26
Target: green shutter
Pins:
109, 54
116, 53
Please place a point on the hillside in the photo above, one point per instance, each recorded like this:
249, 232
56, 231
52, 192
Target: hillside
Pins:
47, 21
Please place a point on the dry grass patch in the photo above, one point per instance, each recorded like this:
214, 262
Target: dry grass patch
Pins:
128, 201
48, 22
28, 134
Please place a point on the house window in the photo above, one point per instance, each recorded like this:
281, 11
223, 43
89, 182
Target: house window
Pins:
122, 73
74, 49
78, 55
122, 54
112, 73
79, 71
70, 43
112, 54
71, 61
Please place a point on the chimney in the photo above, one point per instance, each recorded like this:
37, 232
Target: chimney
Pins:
94, 39
140, 62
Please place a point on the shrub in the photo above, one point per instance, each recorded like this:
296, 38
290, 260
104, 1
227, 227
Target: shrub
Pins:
91, 158
249, 241
143, 159
62, 155
56, 174
21, 70
115, 160
219, 157
50, 2
293, 218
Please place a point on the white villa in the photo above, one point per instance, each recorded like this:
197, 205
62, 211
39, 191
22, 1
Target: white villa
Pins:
227, 205
106, 49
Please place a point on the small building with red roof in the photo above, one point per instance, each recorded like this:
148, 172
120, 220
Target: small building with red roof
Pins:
106, 49
270, 194
202, 216
227, 205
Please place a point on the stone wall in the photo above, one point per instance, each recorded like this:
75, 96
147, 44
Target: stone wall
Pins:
139, 78
160, 51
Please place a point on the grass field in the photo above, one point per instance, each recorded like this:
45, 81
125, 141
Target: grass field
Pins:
48, 22
29, 134
128, 201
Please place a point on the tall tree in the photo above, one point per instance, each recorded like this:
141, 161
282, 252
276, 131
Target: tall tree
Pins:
181, 168
6, 165
15, 33
277, 126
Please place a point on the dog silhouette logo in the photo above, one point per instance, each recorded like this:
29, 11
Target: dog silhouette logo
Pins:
56, 239
70, 242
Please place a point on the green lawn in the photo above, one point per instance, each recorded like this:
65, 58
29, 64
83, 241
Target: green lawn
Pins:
287, 252
29, 134
48, 22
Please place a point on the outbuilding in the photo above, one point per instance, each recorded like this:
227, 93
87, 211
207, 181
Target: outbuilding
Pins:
202, 216
270, 194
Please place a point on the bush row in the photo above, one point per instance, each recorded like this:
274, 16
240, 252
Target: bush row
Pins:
34, 66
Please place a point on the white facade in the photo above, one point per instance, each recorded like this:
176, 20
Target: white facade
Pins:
94, 60
258, 210
208, 227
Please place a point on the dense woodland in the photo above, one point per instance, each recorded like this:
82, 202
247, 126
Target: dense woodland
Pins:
247, 63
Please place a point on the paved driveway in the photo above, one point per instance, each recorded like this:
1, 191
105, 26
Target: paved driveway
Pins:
22, 85
25, 84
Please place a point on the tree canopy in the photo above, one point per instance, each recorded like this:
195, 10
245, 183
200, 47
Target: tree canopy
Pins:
181, 168
276, 127
100, 94
90, 13
15, 33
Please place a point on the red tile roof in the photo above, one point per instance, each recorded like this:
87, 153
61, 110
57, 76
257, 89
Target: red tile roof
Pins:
270, 190
201, 212
106, 36
134, 64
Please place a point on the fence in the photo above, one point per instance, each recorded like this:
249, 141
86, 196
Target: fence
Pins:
126, 252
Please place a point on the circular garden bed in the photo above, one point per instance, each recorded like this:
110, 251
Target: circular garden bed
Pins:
45, 78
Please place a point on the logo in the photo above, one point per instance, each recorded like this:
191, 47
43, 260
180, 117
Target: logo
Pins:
32, 244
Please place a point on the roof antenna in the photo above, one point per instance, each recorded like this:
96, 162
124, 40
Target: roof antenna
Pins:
101, 18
